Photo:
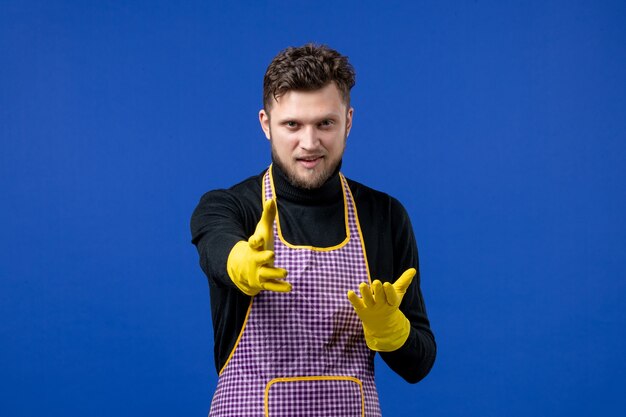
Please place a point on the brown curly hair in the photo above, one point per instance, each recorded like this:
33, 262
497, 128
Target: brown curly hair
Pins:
306, 68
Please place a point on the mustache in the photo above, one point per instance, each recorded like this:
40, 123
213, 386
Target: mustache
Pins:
310, 156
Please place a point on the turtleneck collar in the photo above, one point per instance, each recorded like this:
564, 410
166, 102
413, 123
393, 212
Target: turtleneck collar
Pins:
330, 191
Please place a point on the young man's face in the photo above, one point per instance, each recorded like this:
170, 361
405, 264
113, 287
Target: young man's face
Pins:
308, 131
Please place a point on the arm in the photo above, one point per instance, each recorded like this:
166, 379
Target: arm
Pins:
414, 359
220, 221
391, 250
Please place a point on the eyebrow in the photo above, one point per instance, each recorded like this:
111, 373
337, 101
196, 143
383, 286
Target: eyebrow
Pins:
327, 116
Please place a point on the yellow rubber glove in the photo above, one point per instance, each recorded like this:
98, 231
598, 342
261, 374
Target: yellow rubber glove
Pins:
250, 264
386, 328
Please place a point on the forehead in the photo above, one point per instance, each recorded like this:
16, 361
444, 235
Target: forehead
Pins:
297, 102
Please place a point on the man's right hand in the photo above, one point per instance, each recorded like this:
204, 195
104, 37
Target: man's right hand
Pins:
250, 264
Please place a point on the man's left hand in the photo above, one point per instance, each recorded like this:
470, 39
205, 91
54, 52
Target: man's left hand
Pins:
386, 328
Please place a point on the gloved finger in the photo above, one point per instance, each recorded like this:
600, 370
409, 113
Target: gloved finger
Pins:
254, 280
256, 242
379, 294
366, 295
267, 273
277, 286
265, 257
356, 302
263, 234
392, 296
404, 281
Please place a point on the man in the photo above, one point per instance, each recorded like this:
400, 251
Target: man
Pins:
305, 290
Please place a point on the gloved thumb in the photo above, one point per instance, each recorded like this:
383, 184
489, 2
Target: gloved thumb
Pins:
263, 237
404, 281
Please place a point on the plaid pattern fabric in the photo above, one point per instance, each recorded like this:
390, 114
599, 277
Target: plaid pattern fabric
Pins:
303, 353
319, 398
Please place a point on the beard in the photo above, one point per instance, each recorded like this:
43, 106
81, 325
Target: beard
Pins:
309, 183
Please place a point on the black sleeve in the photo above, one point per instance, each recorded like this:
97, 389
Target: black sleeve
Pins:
221, 219
216, 225
416, 357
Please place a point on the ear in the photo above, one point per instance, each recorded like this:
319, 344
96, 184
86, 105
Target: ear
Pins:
349, 120
264, 119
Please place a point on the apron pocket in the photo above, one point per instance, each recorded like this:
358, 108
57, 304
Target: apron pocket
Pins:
314, 396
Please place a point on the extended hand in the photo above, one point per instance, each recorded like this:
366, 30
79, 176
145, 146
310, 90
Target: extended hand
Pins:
250, 264
385, 327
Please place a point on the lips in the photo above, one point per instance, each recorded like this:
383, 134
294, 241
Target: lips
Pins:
309, 161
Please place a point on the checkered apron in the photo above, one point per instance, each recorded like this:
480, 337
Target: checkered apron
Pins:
303, 353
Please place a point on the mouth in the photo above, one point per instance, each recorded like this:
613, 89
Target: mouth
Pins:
310, 162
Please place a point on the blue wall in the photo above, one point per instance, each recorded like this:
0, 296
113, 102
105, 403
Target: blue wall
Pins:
499, 125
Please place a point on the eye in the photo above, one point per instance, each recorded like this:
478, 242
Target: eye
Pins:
291, 124
327, 123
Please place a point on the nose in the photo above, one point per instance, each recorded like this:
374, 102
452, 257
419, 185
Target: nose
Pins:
309, 139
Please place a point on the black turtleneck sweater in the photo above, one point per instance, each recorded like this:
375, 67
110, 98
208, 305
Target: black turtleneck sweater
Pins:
315, 218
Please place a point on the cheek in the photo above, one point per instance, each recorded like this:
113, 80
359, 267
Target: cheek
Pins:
289, 141
284, 142
335, 143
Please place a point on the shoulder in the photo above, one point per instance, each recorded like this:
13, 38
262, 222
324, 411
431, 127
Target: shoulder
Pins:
241, 202
375, 201
245, 191
387, 232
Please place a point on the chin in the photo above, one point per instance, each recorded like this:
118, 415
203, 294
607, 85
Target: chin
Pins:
306, 179
309, 180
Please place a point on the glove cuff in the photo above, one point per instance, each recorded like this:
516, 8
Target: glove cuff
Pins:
392, 338
236, 267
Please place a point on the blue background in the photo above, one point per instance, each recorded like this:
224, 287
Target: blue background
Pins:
499, 125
